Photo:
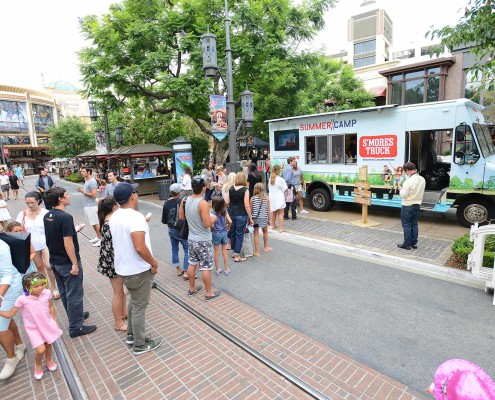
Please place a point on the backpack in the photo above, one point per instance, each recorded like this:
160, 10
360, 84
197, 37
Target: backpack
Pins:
173, 217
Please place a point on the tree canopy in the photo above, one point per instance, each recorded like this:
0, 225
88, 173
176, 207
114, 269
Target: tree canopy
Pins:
70, 137
151, 51
474, 29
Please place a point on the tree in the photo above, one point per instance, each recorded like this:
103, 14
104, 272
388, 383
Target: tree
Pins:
70, 137
474, 29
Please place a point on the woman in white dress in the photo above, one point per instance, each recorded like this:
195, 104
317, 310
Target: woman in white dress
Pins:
277, 188
185, 185
31, 220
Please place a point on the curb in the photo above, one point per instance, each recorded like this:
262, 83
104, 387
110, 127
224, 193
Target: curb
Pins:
417, 267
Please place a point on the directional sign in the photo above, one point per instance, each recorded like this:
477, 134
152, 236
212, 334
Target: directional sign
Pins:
362, 185
362, 200
362, 193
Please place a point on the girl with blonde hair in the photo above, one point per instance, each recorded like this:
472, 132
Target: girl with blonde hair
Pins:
260, 206
277, 188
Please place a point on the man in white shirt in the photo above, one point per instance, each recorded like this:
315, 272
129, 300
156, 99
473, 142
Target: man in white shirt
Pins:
412, 196
134, 263
4, 184
90, 191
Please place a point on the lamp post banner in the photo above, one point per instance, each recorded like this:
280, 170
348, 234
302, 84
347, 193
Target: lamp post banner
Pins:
218, 114
101, 143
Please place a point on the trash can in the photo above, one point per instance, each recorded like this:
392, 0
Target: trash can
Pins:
163, 188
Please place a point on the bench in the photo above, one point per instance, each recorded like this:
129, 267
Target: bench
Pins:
475, 259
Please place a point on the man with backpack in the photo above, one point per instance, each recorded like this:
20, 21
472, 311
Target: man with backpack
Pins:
170, 216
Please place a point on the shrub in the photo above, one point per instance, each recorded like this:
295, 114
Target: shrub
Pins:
75, 177
462, 247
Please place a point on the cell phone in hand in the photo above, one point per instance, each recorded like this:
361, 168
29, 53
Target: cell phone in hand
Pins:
148, 215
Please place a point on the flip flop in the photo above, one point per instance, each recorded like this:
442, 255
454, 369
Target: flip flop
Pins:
181, 272
216, 294
56, 295
242, 259
120, 328
199, 288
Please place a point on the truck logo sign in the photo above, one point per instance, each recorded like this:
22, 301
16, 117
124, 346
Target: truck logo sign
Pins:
384, 146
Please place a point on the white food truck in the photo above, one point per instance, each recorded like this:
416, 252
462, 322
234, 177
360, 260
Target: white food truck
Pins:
448, 141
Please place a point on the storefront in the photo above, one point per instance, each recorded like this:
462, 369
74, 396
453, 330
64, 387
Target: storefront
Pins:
140, 163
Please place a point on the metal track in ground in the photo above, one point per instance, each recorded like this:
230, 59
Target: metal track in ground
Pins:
248, 349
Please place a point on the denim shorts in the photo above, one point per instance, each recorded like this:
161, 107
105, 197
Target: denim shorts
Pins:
219, 238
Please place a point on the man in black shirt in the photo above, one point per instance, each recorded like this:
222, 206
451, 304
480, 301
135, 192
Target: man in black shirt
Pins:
61, 239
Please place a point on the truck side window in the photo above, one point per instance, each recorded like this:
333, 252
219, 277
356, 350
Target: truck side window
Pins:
466, 151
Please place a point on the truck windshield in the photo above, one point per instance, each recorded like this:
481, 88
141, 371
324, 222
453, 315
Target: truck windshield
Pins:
484, 139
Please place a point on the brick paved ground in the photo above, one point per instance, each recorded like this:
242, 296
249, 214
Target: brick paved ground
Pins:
194, 362
431, 250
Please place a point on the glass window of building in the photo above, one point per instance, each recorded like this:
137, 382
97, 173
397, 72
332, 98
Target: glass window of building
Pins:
472, 84
413, 87
365, 47
362, 62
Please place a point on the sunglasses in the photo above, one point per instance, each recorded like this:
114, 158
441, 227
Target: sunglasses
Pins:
197, 179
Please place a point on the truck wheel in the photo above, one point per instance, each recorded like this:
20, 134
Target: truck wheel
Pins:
475, 210
320, 200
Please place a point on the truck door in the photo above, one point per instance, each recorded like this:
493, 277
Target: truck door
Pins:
467, 169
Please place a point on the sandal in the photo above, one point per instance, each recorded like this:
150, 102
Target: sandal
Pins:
242, 259
120, 328
56, 295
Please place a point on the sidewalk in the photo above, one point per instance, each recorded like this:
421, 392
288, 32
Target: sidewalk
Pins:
194, 362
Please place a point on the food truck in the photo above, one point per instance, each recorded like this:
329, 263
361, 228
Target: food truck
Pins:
448, 141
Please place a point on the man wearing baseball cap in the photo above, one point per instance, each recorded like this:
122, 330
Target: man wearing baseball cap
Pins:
134, 263
170, 216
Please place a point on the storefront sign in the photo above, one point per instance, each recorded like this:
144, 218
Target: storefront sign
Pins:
384, 146
13, 116
15, 140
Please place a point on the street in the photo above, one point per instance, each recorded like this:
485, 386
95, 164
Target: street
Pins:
401, 324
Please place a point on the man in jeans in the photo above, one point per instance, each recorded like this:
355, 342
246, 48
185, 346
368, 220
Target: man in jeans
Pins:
134, 263
61, 239
412, 196
170, 216
43, 183
288, 176
89, 202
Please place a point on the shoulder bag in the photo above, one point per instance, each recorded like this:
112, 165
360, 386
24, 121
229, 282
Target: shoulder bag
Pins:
255, 219
184, 231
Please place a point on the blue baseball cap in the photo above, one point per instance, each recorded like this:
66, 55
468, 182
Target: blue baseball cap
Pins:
123, 191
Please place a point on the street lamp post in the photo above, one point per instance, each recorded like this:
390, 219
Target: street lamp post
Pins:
208, 44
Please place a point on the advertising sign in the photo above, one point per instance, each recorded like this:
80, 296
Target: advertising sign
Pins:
182, 159
13, 117
383, 146
218, 114
43, 118
101, 142
15, 140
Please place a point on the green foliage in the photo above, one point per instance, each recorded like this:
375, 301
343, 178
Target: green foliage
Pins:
70, 137
75, 177
462, 247
474, 29
147, 55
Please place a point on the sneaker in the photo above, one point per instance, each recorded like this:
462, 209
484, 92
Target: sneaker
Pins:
9, 368
149, 345
226, 273
97, 243
219, 272
304, 212
20, 349
94, 240
130, 339
86, 314
85, 330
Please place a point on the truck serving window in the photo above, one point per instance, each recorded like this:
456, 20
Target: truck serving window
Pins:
484, 139
466, 151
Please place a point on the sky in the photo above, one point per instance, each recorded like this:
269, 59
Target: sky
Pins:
43, 37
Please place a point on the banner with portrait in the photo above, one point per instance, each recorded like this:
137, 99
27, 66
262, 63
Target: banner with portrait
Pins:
43, 118
13, 117
218, 115
101, 142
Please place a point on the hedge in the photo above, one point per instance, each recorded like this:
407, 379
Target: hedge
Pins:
75, 177
462, 247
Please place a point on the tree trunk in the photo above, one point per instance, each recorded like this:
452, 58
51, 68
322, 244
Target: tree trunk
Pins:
220, 151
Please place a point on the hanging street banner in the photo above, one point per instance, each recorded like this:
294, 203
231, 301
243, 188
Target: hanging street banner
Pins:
218, 115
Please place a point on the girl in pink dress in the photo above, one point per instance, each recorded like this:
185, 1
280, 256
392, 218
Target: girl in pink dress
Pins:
38, 315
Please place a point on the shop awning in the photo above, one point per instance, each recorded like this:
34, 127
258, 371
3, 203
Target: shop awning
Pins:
56, 160
136, 150
379, 91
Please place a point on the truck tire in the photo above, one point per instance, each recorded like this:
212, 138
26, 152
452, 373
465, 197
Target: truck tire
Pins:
320, 200
478, 210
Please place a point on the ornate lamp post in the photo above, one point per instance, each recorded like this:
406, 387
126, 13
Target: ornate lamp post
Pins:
119, 136
209, 48
93, 114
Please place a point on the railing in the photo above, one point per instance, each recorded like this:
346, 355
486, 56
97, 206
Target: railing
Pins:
475, 259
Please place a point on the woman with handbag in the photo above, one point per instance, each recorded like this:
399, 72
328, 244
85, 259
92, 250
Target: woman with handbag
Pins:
260, 206
278, 187
31, 220
240, 214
